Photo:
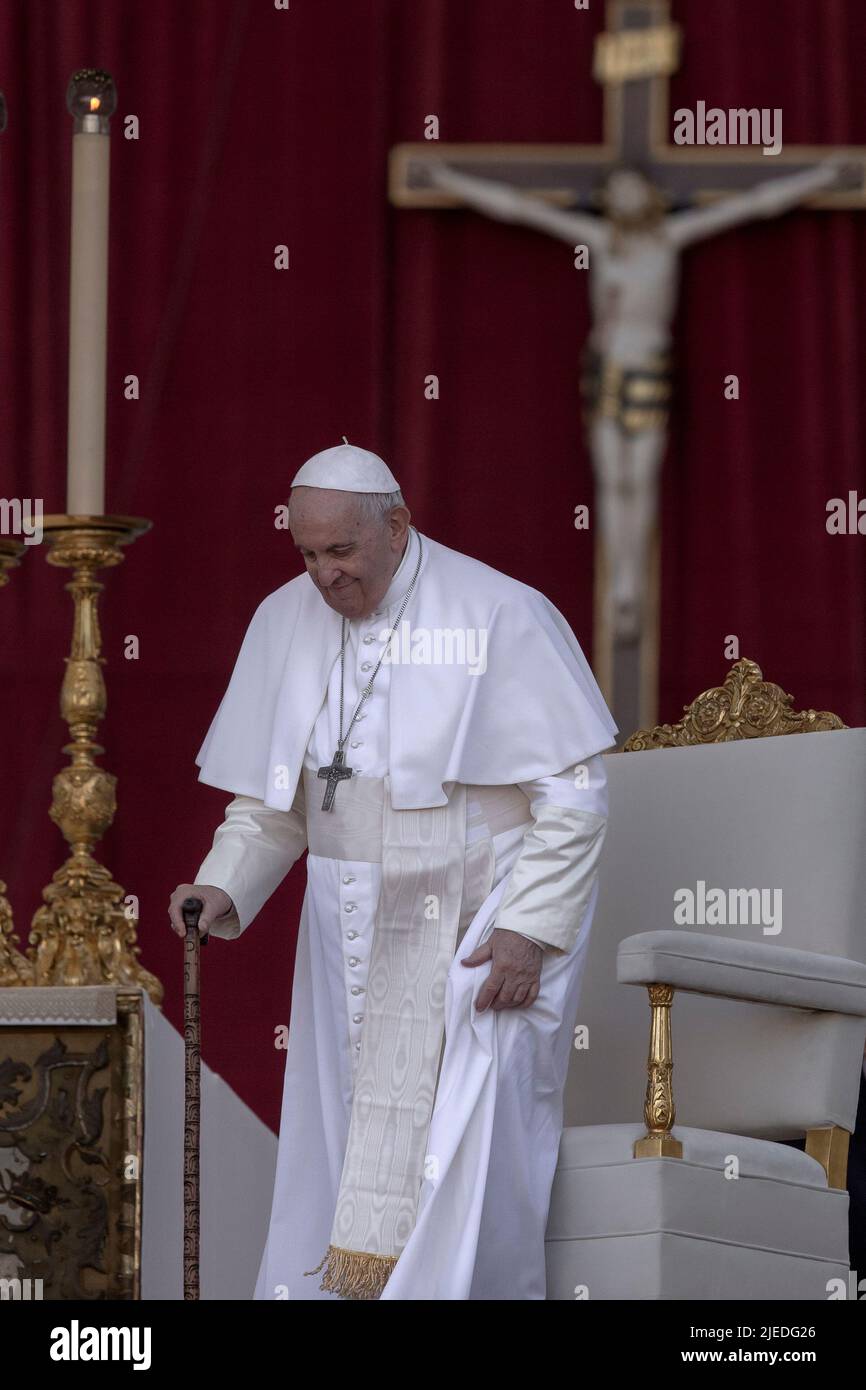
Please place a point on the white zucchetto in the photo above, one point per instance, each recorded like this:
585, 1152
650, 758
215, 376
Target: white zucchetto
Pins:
346, 468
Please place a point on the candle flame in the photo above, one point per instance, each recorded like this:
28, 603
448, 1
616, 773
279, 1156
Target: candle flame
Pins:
95, 103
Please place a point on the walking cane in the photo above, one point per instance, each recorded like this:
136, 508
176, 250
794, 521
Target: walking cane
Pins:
191, 909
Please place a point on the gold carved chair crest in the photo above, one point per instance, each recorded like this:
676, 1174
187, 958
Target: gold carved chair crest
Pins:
743, 706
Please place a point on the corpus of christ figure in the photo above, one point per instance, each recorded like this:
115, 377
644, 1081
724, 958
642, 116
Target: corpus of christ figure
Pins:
632, 251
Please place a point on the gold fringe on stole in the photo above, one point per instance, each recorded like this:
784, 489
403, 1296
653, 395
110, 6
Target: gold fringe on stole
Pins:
354, 1273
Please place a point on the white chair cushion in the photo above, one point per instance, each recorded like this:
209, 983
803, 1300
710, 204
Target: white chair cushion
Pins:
647, 1228
594, 1146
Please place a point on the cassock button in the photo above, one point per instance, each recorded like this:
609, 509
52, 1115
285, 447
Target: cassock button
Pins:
350, 935
348, 878
357, 1047
356, 989
350, 907
368, 639
353, 961
359, 743
365, 665
357, 1018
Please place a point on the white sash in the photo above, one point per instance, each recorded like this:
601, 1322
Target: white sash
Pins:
413, 945
425, 899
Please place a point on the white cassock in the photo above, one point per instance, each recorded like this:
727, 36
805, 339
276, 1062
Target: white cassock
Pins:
478, 1205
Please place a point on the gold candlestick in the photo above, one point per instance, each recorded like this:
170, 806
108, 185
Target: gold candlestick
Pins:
15, 969
10, 552
83, 935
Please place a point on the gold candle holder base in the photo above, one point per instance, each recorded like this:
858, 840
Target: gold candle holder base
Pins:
10, 553
15, 969
83, 934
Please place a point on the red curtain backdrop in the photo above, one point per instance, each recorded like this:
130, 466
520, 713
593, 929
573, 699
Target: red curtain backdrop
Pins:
260, 127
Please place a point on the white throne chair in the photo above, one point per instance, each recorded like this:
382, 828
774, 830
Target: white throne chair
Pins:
768, 1017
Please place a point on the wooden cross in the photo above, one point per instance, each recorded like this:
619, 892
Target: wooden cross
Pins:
633, 60
336, 772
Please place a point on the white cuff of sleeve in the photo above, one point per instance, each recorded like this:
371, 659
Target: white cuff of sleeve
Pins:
252, 852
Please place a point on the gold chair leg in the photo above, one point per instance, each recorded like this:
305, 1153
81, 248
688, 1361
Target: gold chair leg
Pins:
659, 1111
829, 1145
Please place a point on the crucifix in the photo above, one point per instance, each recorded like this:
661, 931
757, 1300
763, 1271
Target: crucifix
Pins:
630, 206
336, 772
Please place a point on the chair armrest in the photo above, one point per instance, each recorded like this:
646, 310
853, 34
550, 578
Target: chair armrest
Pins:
751, 970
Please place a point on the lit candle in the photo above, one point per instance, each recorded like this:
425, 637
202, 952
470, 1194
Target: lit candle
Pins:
91, 100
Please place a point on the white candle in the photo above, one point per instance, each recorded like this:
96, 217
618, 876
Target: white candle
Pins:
91, 100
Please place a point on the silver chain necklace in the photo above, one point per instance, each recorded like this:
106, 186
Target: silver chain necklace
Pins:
337, 771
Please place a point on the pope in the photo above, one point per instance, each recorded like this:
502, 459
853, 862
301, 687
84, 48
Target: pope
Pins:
453, 812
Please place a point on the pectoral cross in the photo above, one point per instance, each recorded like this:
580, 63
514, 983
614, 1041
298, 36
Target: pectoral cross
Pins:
336, 772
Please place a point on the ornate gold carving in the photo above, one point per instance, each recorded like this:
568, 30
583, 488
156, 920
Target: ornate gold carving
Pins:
15, 969
82, 934
744, 706
130, 1009
70, 1156
659, 1110
10, 553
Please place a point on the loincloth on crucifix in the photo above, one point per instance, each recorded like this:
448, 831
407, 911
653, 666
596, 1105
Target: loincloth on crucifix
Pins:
636, 398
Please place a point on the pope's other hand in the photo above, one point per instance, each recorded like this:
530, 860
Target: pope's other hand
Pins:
515, 972
216, 904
